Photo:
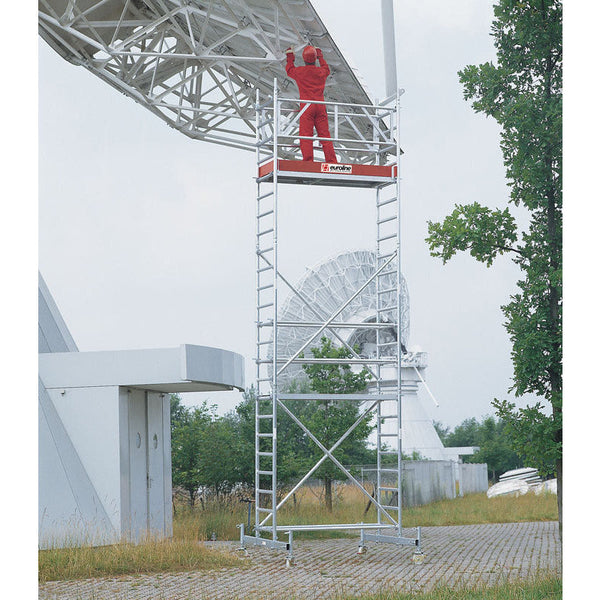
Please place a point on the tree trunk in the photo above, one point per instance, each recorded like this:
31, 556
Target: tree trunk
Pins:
328, 494
555, 248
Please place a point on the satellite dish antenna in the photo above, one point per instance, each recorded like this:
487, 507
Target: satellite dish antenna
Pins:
330, 284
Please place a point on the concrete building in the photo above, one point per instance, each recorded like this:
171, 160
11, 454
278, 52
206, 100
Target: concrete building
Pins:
104, 432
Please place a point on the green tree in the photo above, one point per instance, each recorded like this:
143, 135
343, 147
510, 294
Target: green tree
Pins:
206, 450
292, 453
495, 447
187, 433
523, 92
220, 467
328, 420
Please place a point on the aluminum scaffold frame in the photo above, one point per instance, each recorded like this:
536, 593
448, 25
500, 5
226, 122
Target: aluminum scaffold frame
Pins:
367, 163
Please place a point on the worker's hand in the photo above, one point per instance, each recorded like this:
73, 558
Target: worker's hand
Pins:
319, 52
289, 50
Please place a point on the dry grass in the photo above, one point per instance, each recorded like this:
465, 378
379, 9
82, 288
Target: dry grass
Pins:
478, 508
190, 526
128, 559
350, 505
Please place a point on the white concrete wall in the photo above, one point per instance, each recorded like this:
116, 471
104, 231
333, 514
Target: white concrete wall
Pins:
474, 478
79, 479
424, 481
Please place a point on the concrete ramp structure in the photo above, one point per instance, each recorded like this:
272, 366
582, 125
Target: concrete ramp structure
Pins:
104, 432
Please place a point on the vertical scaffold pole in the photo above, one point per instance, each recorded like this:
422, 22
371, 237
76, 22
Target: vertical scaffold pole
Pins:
399, 310
274, 390
258, 329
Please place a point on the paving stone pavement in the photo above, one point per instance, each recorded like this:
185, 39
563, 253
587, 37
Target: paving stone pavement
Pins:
325, 569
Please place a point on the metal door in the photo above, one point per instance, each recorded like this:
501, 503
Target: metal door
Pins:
138, 469
146, 465
155, 465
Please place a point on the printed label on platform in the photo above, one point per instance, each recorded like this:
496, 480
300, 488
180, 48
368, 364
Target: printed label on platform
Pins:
335, 168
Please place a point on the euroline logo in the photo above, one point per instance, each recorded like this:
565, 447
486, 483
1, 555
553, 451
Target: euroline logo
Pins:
335, 168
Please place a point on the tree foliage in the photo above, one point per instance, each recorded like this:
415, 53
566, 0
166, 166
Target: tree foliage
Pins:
495, 447
207, 451
187, 426
523, 93
330, 419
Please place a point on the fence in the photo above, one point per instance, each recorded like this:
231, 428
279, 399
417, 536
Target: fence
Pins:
425, 481
473, 478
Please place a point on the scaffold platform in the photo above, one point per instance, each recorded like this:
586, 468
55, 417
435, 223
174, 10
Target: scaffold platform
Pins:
331, 174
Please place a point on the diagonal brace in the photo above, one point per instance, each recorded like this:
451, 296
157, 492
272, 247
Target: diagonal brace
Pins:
337, 312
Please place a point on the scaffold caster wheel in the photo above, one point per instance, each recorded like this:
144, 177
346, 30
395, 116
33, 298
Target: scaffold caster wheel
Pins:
418, 558
362, 550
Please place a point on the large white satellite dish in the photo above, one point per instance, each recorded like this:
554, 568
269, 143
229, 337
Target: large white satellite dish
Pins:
330, 284
198, 64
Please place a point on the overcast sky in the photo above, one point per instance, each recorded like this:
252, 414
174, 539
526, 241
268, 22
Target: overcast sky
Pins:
146, 238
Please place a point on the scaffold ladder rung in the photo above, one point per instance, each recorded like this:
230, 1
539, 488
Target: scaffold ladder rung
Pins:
270, 473
387, 237
386, 202
384, 273
265, 232
267, 305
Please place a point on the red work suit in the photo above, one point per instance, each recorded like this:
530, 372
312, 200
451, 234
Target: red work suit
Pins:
311, 82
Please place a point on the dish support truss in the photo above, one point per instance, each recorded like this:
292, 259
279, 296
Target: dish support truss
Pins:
196, 64
276, 121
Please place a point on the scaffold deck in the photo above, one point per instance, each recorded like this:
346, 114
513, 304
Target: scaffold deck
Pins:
321, 173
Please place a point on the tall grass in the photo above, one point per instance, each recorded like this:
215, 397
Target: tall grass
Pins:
190, 526
350, 505
151, 556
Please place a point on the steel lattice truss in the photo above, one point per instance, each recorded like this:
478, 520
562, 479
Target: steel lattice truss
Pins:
197, 64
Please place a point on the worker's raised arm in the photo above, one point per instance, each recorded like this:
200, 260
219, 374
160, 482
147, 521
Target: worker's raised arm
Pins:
322, 61
289, 65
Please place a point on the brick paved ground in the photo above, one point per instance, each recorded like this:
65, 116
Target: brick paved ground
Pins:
458, 555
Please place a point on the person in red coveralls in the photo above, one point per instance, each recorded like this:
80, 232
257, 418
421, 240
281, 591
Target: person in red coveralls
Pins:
311, 83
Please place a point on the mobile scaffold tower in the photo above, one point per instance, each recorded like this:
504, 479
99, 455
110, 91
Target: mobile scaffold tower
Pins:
373, 164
